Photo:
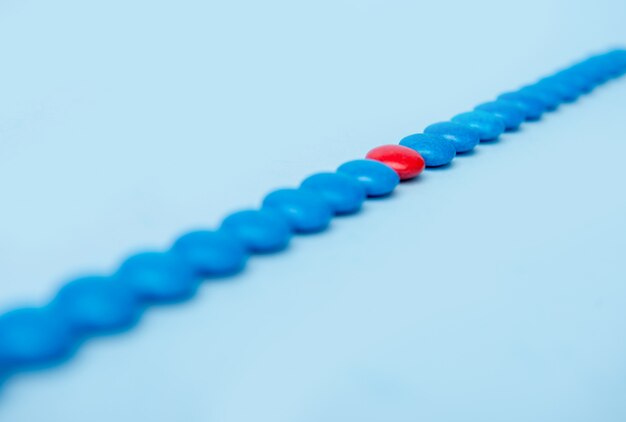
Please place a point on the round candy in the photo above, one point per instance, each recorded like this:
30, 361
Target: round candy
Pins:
463, 137
405, 161
547, 98
377, 178
305, 210
575, 79
532, 106
617, 62
211, 253
594, 69
158, 277
489, 127
568, 93
511, 113
260, 231
435, 149
344, 194
32, 336
97, 304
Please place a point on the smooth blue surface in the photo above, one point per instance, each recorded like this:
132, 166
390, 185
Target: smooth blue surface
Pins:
547, 98
96, 305
343, 193
260, 231
30, 336
305, 210
158, 277
574, 78
488, 125
211, 253
567, 92
489, 291
436, 150
533, 105
511, 113
463, 137
377, 178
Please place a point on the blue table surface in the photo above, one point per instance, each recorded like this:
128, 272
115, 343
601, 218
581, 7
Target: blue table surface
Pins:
494, 290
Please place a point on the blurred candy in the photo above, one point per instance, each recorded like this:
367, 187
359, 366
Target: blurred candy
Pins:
532, 106
511, 113
260, 231
377, 178
305, 210
158, 277
344, 194
93, 305
32, 336
211, 253
548, 99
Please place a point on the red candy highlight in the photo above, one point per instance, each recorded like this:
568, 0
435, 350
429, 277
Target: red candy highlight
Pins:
407, 162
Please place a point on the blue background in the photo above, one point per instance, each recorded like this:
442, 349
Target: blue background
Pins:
491, 291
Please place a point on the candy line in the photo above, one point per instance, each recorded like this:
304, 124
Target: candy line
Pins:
38, 337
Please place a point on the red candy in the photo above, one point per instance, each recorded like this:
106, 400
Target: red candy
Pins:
407, 162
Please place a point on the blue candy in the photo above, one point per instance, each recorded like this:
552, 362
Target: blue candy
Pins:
377, 178
31, 337
616, 62
532, 106
260, 231
158, 277
566, 92
436, 150
576, 80
511, 113
463, 137
594, 69
305, 210
550, 100
344, 194
93, 305
605, 66
211, 253
489, 127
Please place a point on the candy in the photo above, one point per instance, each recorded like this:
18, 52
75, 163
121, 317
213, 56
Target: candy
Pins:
488, 126
305, 210
463, 137
211, 253
511, 113
405, 161
435, 149
260, 231
377, 178
344, 194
